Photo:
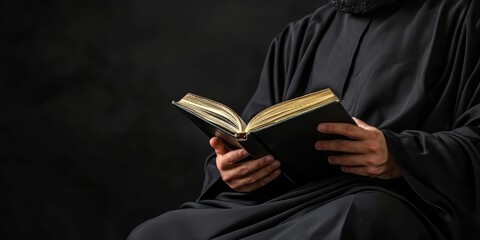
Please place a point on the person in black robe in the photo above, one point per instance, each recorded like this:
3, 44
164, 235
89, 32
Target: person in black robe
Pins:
410, 70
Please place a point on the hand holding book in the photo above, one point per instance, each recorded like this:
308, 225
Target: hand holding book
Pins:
363, 153
244, 176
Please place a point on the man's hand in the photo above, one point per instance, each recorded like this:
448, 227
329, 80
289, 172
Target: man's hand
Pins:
366, 154
244, 176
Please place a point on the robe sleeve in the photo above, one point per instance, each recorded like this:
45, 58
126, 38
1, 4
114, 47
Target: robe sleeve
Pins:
443, 167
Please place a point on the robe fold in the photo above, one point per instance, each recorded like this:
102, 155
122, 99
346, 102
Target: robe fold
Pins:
413, 71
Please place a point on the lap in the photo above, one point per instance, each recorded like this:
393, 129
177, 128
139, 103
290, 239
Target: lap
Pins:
362, 215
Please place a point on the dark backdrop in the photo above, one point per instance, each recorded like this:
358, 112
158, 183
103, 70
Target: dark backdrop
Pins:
90, 145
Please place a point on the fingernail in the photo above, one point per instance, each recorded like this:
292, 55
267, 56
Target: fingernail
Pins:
276, 164
318, 146
245, 153
269, 159
321, 127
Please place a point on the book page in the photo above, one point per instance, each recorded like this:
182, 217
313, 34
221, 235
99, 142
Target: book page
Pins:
214, 112
290, 108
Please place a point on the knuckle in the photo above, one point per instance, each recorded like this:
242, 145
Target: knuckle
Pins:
373, 171
371, 134
348, 130
248, 181
223, 162
226, 178
241, 154
373, 147
265, 161
243, 171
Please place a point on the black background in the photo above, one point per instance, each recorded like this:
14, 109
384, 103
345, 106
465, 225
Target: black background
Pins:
90, 145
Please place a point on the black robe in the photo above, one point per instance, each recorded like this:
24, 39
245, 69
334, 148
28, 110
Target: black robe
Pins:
411, 70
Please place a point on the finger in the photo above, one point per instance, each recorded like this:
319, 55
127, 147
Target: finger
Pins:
219, 146
259, 174
347, 160
251, 173
364, 171
344, 129
345, 146
249, 167
369, 162
256, 184
230, 159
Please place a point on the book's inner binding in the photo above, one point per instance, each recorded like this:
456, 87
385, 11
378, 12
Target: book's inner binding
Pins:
214, 112
290, 108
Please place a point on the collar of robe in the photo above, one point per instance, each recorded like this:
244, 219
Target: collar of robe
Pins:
359, 7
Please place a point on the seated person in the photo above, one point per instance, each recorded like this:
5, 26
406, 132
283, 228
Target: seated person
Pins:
410, 70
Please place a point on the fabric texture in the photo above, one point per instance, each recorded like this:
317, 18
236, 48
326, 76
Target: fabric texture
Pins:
359, 7
411, 70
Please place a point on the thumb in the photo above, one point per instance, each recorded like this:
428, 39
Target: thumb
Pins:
218, 145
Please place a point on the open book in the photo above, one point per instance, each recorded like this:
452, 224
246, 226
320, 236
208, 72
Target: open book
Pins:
287, 130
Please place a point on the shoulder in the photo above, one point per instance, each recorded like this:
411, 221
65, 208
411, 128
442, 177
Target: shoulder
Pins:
474, 12
447, 14
456, 5
466, 12
322, 15
310, 24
